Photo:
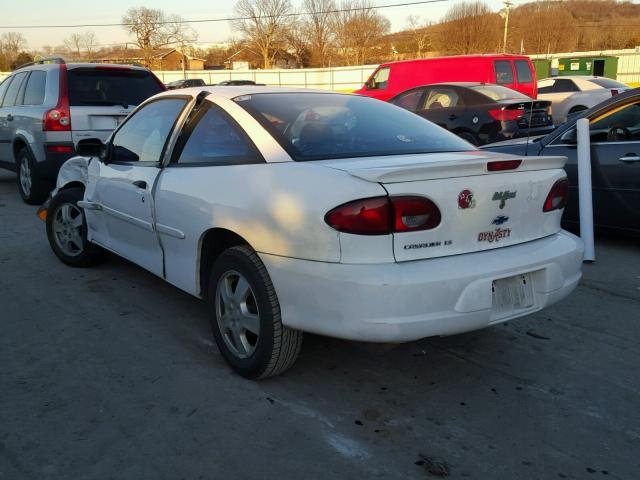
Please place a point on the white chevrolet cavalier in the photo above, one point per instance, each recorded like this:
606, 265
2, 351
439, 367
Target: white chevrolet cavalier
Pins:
294, 210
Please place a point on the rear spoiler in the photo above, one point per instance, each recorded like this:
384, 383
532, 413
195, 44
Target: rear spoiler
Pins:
458, 167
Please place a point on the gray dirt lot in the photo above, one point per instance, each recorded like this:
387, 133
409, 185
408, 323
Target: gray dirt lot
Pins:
111, 373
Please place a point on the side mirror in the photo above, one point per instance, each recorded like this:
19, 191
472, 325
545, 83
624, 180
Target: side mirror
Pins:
92, 147
570, 137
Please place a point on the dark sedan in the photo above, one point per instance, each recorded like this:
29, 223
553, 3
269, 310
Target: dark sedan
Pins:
185, 83
478, 112
615, 160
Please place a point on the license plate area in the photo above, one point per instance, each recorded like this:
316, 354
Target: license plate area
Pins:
512, 295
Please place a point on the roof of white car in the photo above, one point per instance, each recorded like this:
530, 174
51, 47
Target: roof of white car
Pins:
236, 91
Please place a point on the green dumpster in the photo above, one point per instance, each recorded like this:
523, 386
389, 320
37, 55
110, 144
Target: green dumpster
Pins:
600, 66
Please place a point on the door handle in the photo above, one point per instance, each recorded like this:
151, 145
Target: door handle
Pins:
453, 117
9, 118
140, 184
630, 158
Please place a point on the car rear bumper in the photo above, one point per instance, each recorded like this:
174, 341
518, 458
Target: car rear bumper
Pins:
399, 302
49, 167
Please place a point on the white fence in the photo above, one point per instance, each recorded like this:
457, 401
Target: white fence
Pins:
339, 78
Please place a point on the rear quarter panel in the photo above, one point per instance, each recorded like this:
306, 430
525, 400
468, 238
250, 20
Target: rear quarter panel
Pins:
278, 208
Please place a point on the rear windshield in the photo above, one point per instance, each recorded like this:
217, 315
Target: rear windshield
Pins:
496, 92
110, 87
607, 83
523, 71
317, 126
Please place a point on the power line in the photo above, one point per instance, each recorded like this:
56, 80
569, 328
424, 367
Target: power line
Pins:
228, 19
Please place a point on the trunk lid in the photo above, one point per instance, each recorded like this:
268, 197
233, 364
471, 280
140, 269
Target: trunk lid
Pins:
480, 210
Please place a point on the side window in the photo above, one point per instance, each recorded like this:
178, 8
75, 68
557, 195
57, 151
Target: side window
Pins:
217, 140
442, 98
143, 136
504, 73
564, 86
546, 86
620, 126
409, 100
4, 85
379, 80
523, 71
34, 92
11, 95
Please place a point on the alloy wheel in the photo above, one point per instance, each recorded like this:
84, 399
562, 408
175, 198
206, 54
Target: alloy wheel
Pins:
67, 229
237, 314
25, 176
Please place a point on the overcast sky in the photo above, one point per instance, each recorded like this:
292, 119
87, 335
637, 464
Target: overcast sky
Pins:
47, 12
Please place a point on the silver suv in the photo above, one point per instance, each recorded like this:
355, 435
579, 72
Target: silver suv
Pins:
47, 106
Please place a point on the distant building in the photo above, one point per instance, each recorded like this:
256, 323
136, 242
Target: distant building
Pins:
163, 59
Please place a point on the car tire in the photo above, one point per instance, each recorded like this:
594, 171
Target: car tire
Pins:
33, 190
67, 230
469, 137
241, 295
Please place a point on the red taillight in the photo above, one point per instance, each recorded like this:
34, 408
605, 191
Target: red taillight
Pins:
369, 216
59, 148
506, 115
558, 196
58, 119
384, 215
503, 165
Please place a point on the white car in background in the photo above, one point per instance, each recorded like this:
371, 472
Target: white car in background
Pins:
570, 94
293, 210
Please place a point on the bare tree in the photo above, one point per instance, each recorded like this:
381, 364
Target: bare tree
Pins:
74, 43
469, 27
11, 43
153, 28
419, 34
359, 29
89, 43
264, 25
317, 27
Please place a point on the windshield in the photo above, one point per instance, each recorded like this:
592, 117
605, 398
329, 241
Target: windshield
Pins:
607, 83
110, 87
496, 92
320, 126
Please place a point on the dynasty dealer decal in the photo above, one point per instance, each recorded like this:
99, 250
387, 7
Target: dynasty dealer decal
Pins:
494, 235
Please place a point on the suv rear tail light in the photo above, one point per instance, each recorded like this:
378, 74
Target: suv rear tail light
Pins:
384, 215
58, 119
506, 115
503, 165
558, 196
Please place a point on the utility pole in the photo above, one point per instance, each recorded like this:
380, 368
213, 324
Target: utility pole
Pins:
504, 13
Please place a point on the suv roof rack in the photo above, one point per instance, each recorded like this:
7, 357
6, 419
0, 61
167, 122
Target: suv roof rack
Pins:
42, 61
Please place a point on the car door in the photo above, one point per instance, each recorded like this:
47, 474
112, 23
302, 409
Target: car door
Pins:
615, 167
443, 105
120, 192
8, 118
5, 135
615, 160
